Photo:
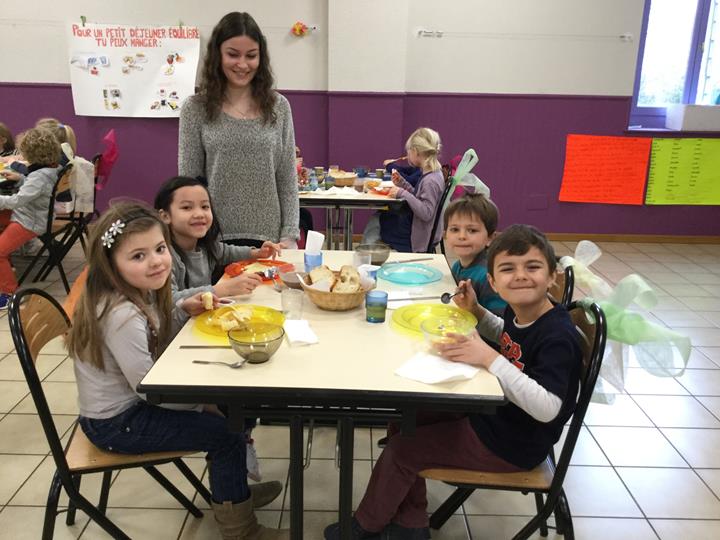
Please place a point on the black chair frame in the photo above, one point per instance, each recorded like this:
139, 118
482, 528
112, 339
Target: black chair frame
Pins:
436, 221
64, 478
553, 499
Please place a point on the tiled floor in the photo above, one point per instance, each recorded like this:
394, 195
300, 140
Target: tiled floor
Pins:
646, 467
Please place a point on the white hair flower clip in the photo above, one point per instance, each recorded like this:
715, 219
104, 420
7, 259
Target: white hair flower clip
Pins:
109, 237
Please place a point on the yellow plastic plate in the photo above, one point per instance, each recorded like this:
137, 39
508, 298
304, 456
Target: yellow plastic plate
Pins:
211, 332
407, 319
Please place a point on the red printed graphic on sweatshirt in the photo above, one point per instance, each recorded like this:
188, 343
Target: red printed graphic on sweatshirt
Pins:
512, 351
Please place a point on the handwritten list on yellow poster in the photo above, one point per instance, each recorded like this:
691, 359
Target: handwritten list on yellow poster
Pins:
600, 169
684, 171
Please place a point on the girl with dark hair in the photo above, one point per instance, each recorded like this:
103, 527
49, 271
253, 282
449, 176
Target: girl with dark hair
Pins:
186, 207
238, 133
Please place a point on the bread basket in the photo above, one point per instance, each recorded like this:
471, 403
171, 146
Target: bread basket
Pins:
333, 301
343, 179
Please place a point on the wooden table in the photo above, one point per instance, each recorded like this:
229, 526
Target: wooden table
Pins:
349, 374
347, 204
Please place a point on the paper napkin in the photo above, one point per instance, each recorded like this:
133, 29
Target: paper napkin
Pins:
432, 369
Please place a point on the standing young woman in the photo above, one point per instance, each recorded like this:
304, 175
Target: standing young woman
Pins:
238, 133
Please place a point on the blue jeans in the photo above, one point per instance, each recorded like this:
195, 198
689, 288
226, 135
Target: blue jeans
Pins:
148, 428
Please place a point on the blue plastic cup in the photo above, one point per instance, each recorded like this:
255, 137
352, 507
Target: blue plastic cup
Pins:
312, 260
375, 306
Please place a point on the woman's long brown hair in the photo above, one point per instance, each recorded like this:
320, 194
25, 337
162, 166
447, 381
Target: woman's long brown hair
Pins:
105, 288
213, 81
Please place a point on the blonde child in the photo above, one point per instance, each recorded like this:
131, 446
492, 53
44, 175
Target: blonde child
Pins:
470, 224
411, 232
63, 132
185, 206
124, 317
538, 368
23, 215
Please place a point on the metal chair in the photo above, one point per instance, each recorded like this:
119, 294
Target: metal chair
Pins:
35, 319
546, 480
563, 289
436, 221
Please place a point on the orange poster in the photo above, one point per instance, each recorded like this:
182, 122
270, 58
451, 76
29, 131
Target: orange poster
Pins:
610, 170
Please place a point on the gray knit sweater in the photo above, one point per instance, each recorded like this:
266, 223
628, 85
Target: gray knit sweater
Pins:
250, 167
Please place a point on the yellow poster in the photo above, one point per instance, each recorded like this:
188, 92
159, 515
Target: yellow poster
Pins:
684, 171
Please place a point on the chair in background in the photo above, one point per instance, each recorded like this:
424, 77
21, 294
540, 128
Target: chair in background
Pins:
35, 319
545, 480
564, 287
436, 221
57, 238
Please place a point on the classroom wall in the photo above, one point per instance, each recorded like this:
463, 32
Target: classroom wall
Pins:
510, 81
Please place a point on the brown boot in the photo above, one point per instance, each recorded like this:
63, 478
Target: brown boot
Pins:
265, 492
238, 522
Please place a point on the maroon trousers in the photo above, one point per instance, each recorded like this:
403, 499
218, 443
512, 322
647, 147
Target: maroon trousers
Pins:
397, 494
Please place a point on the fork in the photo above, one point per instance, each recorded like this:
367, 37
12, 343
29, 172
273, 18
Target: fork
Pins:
231, 365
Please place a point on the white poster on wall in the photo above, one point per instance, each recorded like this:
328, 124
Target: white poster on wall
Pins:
118, 70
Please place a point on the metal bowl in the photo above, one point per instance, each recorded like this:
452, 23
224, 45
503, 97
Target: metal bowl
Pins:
379, 253
256, 342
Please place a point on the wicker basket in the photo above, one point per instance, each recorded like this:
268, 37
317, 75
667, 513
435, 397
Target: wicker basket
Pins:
344, 179
333, 301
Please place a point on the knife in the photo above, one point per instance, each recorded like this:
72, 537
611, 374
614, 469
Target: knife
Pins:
413, 298
409, 260
204, 347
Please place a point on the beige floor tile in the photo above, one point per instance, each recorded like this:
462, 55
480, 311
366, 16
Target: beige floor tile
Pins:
23, 434
14, 470
638, 257
492, 528
206, 529
55, 346
683, 494
322, 484
684, 268
10, 369
698, 360
271, 441
714, 290
325, 437
499, 503
63, 373
677, 411
708, 303
713, 353
639, 381
684, 289
669, 529
663, 276
142, 523
586, 452
11, 393
700, 447
638, 447
711, 403
701, 337
598, 492
688, 319
623, 412
616, 529
711, 316
35, 490
6, 342
701, 382
26, 523
134, 488
61, 397
712, 478
706, 279
651, 247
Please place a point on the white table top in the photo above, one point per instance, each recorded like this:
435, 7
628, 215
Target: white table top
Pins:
352, 354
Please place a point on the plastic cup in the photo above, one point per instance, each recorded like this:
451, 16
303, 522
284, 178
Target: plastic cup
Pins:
312, 260
376, 306
292, 303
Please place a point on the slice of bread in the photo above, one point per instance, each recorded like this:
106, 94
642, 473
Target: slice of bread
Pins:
349, 281
322, 273
207, 300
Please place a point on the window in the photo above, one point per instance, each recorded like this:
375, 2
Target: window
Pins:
679, 58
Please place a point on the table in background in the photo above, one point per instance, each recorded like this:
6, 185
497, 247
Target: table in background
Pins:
347, 204
348, 374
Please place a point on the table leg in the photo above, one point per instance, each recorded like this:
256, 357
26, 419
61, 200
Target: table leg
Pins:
348, 229
329, 227
346, 476
296, 478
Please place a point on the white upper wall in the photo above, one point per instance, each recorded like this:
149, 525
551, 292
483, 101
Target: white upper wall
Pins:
488, 46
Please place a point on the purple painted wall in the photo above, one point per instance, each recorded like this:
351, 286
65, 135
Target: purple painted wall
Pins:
520, 141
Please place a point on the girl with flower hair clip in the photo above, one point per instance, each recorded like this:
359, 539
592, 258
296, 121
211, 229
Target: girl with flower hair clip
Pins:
122, 322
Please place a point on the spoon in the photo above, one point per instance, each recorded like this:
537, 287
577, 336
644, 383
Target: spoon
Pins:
446, 297
232, 365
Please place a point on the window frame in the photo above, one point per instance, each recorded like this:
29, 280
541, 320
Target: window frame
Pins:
654, 117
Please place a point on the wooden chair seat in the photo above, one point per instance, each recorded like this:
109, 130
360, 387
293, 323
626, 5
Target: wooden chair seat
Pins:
538, 478
83, 456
